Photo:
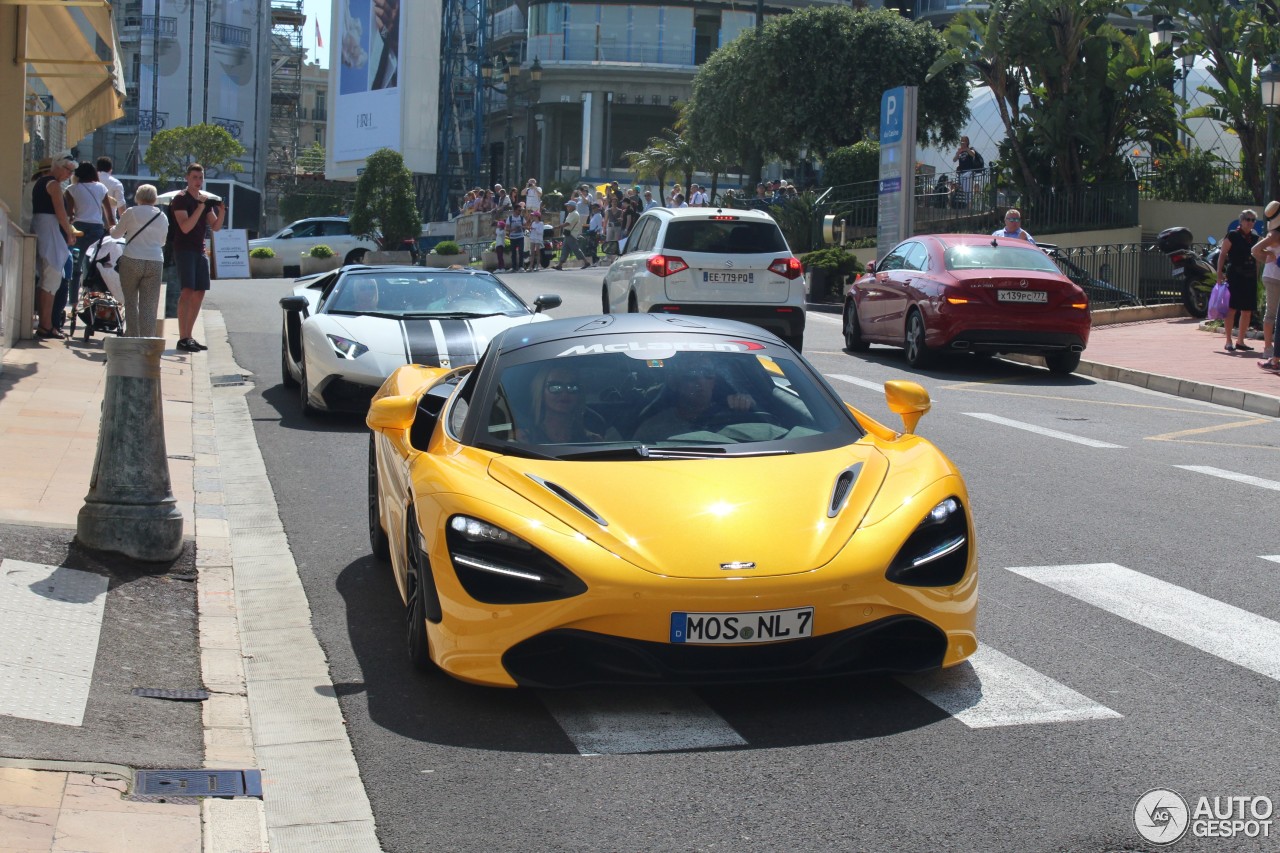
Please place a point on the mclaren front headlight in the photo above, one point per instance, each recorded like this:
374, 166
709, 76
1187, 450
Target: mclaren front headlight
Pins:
937, 551
495, 566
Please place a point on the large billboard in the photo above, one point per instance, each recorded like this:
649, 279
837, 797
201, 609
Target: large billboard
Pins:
383, 83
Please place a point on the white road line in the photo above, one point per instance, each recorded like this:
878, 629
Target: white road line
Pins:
625, 721
1051, 433
823, 317
1275, 558
992, 689
1222, 630
52, 619
1232, 475
861, 383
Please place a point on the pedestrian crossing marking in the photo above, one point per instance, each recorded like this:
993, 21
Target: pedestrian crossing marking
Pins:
1222, 630
1247, 479
1049, 433
52, 617
992, 689
612, 721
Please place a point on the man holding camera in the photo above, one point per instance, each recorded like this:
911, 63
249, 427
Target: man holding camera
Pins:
195, 214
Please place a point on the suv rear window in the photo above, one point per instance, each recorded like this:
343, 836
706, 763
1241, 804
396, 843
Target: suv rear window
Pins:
723, 237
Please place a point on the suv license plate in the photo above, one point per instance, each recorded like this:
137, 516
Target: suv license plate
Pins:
1022, 296
729, 277
762, 626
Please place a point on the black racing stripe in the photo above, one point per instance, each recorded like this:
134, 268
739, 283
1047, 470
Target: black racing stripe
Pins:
459, 342
422, 342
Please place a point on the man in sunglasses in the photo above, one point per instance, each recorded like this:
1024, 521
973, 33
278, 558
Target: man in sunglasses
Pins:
693, 400
1013, 227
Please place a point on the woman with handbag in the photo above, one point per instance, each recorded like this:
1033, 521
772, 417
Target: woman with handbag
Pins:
1241, 276
141, 267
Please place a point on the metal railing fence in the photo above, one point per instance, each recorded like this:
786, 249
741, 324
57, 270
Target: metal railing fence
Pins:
1133, 269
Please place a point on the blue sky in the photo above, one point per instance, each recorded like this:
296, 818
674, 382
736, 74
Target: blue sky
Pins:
317, 10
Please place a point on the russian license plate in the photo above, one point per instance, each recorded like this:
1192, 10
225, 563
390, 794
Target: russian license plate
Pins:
729, 277
1022, 296
1177, 271
762, 626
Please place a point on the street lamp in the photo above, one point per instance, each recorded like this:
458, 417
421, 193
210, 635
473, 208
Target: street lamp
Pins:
1162, 32
513, 85
1270, 79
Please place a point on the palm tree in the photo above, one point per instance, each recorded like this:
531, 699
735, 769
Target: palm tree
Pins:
683, 158
651, 162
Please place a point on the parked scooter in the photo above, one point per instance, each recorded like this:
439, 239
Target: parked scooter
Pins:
1198, 273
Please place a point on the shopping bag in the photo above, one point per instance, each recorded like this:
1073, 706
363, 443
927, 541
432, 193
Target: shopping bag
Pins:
1219, 301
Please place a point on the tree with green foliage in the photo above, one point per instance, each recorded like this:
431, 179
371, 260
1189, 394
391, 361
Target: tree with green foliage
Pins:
812, 80
651, 162
1073, 90
1236, 40
853, 164
171, 151
311, 160
385, 201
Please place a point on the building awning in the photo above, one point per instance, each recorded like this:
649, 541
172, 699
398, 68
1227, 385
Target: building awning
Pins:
88, 89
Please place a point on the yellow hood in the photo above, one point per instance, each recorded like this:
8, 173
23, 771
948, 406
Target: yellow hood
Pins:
688, 518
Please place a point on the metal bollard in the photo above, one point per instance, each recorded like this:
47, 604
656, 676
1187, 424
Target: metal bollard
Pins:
130, 507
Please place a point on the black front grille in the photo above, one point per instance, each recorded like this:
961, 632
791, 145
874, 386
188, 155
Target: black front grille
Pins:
342, 395
569, 658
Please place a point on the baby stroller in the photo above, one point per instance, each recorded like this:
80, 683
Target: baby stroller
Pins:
99, 307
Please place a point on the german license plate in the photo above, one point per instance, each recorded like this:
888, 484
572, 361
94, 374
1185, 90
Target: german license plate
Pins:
1022, 296
762, 626
729, 277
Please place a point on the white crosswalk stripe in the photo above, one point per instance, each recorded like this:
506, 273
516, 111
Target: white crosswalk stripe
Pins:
1220, 629
611, 721
1049, 433
861, 383
1232, 475
992, 689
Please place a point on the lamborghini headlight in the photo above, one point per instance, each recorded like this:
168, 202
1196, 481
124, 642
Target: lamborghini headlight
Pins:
347, 348
495, 566
937, 551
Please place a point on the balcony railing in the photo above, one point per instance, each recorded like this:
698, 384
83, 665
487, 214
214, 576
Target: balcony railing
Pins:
231, 126
229, 35
145, 119
145, 26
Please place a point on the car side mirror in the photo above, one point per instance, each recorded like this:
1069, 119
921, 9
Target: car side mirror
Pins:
395, 412
286, 234
546, 302
908, 400
294, 303
871, 267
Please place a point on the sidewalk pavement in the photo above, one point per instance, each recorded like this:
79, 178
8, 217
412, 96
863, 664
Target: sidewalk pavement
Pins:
50, 395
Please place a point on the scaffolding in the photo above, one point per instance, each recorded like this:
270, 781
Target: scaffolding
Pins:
287, 57
460, 149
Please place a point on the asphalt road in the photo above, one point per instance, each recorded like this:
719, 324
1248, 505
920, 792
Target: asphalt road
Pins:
1156, 667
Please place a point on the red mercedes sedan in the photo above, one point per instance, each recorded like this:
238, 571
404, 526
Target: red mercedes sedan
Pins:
938, 293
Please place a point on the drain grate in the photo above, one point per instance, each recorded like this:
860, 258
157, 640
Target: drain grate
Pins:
196, 695
226, 380
198, 783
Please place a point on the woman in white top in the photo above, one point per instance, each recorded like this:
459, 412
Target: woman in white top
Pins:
532, 197
144, 228
93, 215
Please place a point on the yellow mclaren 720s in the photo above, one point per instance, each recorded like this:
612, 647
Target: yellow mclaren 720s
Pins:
652, 498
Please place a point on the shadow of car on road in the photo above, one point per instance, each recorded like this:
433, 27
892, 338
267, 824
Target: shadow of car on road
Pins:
285, 401
971, 367
435, 708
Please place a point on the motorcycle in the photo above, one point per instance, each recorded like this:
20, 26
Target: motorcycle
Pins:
1198, 273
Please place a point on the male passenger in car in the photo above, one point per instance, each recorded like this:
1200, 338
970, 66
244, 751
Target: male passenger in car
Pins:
688, 402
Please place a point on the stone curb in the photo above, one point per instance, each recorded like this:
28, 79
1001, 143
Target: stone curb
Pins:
277, 708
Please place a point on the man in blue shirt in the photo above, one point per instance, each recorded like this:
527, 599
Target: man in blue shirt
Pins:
1013, 227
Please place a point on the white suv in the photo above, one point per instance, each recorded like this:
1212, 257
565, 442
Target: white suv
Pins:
291, 242
711, 262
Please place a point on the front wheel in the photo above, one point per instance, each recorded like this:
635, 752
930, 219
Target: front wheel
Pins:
1062, 363
853, 340
304, 390
419, 641
917, 352
1195, 300
378, 542
286, 378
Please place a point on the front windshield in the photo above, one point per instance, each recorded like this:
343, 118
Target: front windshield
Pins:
422, 294
583, 401
984, 256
